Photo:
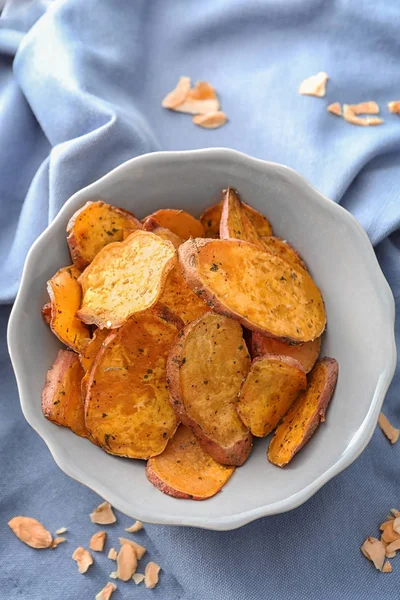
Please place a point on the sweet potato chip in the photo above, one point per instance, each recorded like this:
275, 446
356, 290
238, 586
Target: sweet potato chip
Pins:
83, 558
61, 397
201, 99
178, 95
259, 289
31, 532
284, 250
374, 550
46, 313
335, 109
180, 299
150, 224
314, 85
394, 107
125, 278
185, 470
140, 550
392, 433
387, 567
94, 226
370, 107
92, 348
65, 299
306, 353
126, 562
211, 218
127, 405
179, 222
305, 414
211, 120
136, 526
206, 368
103, 514
151, 575
271, 387
105, 593
235, 223
97, 541
350, 116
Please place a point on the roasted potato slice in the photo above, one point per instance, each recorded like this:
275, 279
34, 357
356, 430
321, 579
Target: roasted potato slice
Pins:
61, 397
185, 470
94, 226
305, 414
150, 224
211, 219
259, 289
235, 224
179, 222
270, 389
283, 249
46, 313
65, 299
125, 278
306, 353
206, 368
127, 407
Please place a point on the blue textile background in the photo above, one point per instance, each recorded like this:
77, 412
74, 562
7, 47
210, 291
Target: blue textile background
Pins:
80, 91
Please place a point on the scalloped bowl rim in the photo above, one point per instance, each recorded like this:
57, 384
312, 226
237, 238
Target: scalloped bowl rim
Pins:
359, 440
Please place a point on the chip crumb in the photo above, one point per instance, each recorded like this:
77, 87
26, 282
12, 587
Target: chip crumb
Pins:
112, 554
57, 541
211, 120
105, 593
374, 551
126, 562
97, 541
138, 578
113, 575
178, 95
370, 107
392, 433
61, 530
151, 575
335, 108
314, 85
83, 558
350, 116
387, 567
396, 525
394, 106
31, 532
137, 526
103, 514
140, 550
395, 512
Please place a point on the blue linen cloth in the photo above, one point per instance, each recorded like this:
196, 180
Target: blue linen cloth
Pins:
80, 91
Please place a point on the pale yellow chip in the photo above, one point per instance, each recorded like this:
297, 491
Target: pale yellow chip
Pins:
314, 85
351, 117
125, 278
211, 120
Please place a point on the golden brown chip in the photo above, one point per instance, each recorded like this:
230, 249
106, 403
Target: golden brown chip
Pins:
92, 348
211, 218
392, 433
305, 414
180, 299
94, 226
31, 532
65, 296
284, 250
97, 541
259, 289
306, 353
211, 120
178, 95
235, 223
179, 222
103, 514
61, 397
127, 405
335, 109
314, 85
270, 389
394, 106
204, 391
150, 224
185, 470
83, 558
351, 117
125, 278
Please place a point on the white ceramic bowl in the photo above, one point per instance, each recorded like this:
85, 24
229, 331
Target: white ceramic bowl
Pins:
360, 335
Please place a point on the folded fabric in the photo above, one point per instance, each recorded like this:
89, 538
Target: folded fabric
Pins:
82, 95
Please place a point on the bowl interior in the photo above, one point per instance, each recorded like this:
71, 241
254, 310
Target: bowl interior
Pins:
359, 335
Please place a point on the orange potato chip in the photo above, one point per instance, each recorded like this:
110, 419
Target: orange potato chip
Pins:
211, 120
179, 222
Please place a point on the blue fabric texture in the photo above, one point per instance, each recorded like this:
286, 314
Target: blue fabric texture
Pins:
80, 91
